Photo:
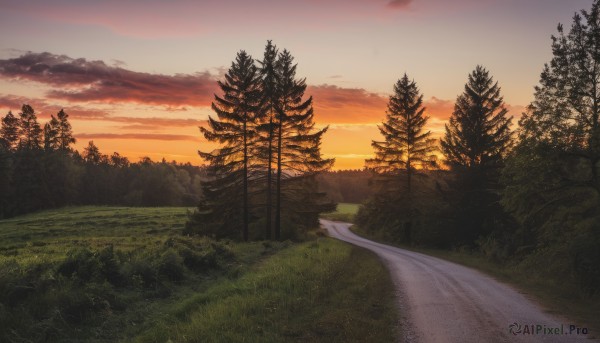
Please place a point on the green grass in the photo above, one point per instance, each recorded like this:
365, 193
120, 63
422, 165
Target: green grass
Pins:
345, 213
321, 291
555, 296
112, 274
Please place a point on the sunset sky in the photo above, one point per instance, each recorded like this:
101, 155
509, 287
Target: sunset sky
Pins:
138, 76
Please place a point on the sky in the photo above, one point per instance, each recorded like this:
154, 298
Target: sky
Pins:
138, 76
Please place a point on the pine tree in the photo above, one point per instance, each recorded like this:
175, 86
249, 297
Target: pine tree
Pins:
51, 134
478, 135
406, 146
476, 142
230, 165
269, 81
298, 144
64, 131
9, 131
30, 131
92, 155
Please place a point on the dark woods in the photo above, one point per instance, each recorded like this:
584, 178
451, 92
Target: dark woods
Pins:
39, 169
528, 198
262, 177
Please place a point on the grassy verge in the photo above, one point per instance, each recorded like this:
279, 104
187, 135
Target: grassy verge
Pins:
110, 274
345, 213
321, 291
556, 296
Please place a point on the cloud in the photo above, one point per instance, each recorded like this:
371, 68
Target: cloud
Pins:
137, 136
80, 80
438, 108
335, 104
44, 110
399, 4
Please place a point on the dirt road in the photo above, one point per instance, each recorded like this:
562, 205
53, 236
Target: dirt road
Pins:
444, 302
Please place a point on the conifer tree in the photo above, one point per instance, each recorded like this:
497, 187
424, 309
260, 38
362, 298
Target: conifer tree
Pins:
92, 155
406, 147
269, 67
476, 142
234, 130
9, 131
478, 135
51, 134
30, 131
64, 131
298, 144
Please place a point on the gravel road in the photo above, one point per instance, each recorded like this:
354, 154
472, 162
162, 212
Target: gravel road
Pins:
441, 301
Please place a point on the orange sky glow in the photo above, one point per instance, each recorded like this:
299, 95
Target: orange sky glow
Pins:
138, 77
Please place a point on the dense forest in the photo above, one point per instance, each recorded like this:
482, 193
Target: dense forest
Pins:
526, 195
39, 169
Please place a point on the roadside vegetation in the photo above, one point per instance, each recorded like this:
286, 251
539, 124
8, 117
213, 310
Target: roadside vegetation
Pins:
114, 273
345, 212
540, 281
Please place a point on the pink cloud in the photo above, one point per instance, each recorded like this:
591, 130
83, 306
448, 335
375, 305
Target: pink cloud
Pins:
399, 4
82, 80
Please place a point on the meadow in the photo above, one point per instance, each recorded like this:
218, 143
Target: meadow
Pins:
109, 274
345, 212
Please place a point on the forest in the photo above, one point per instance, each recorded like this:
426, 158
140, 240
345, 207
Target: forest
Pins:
39, 169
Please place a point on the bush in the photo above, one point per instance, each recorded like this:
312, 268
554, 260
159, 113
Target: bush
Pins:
170, 265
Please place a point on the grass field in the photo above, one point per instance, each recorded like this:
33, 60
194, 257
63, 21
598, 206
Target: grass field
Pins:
345, 213
110, 274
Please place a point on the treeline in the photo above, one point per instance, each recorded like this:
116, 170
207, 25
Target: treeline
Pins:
262, 174
351, 186
39, 169
528, 197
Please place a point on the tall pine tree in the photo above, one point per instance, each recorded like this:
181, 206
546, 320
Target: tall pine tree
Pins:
477, 139
9, 131
30, 132
406, 148
298, 143
269, 71
230, 165
478, 135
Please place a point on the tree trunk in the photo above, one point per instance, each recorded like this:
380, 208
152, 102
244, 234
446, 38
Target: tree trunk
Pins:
269, 175
278, 204
245, 184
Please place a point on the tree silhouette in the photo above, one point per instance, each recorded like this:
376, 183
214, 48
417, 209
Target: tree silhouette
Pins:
30, 132
234, 130
477, 139
51, 134
298, 144
269, 101
9, 131
406, 146
478, 135
64, 131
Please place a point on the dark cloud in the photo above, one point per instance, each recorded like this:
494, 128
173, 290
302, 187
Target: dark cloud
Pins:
82, 80
144, 136
44, 110
399, 3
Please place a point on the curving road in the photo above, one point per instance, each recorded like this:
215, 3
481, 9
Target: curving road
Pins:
444, 302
